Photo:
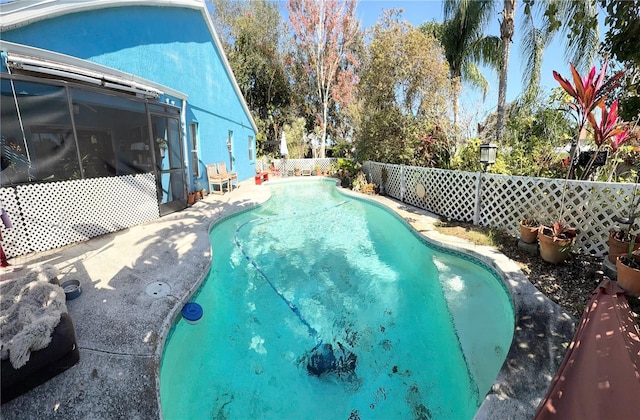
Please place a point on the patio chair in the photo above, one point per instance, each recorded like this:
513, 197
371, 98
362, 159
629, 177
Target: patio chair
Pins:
216, 179
222, 170
274, 170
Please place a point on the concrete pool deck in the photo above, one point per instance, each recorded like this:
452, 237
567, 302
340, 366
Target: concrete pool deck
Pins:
121, 329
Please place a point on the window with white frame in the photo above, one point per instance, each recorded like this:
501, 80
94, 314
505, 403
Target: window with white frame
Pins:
193, 129
250, 148
230, 148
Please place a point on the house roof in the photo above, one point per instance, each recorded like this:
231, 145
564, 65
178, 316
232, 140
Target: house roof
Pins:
21, 13
68, 64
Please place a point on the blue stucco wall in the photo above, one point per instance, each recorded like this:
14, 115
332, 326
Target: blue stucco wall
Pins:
168, 45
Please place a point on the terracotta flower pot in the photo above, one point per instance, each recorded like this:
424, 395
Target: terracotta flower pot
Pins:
529, 235
628, 277
553, 250
618, 247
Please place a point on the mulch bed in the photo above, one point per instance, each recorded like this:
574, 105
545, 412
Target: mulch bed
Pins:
569, 284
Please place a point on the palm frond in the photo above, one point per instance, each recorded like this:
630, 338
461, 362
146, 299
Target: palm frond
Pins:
581, 30
474, 77
487, 51
534, 42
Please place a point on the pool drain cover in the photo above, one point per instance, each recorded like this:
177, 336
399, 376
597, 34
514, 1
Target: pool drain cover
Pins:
158, 289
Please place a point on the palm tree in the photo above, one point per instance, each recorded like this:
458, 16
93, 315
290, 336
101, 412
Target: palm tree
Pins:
480, 13
577, 20
465, 45
507, 28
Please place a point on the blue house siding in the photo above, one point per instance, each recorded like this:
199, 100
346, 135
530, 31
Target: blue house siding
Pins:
168, 45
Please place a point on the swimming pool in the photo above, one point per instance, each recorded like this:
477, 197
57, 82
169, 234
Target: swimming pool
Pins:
430, 328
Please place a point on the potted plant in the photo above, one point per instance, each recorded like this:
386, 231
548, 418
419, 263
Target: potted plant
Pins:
200, 191
384, 175
556, 241
620, 239
162, 146
529, 230
628, 270
191, 198
296, 170
317, 170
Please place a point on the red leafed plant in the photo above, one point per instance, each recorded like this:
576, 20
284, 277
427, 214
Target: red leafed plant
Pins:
588, 93
608, 131
562, 231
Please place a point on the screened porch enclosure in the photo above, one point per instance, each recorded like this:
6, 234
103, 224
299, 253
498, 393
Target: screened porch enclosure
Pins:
56, 131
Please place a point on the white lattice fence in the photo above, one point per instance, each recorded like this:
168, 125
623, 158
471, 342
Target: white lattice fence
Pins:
373, 172
454, 193
14, 240
447, 193
504, 200
592, 208
50, 215
588, 206
393, 185
289, 165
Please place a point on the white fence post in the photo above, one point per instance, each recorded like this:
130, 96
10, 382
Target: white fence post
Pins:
476, 213
403, 183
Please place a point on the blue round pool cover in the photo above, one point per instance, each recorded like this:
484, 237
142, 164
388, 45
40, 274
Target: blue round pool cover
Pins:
192, 312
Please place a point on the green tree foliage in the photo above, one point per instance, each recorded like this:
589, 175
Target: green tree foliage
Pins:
577, 20
252, 36
469, 20
623, 20
296, 141
534, 139
624, 165
622, 42
405, 92
467, 157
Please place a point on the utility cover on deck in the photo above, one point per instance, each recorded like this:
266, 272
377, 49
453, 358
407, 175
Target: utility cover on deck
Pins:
158, 289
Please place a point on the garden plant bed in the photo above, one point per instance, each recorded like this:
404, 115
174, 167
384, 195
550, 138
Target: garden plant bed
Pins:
569, 283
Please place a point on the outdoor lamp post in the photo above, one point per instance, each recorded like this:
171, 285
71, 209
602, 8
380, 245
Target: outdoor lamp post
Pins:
488, 153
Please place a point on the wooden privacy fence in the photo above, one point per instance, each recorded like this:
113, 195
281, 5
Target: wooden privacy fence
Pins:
501, 201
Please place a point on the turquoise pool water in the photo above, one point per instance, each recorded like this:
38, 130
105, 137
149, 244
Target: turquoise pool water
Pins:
430, 329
